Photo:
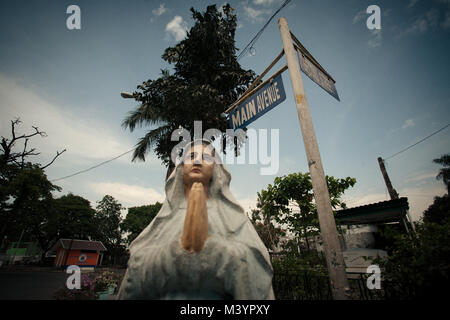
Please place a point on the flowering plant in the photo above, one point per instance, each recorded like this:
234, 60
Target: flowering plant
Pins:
90, 287
106, 280
86, 292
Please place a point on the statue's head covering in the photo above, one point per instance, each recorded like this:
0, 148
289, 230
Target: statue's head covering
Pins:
231, 215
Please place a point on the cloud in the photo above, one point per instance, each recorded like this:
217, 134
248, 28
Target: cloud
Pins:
159, 11
445, 2
255, 15
386, 12
446, 23
376, 39
86, 139
265, 3
420, 198
412, 3
359, 16
128, 195
419, 26
177, 28
408, 123
422, 24
432, 17
361, 200
422, 177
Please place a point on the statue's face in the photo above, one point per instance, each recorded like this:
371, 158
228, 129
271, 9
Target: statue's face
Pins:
198, 165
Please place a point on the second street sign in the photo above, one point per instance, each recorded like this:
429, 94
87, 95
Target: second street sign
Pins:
263, 100
316, 75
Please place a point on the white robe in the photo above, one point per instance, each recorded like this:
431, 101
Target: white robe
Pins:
234, 263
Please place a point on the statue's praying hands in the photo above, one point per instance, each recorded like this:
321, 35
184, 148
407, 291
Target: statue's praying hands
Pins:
198, 167
196, 222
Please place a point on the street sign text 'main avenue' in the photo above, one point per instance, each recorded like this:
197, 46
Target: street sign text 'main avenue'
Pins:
263, 100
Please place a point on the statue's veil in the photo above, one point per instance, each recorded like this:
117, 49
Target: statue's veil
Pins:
231, 213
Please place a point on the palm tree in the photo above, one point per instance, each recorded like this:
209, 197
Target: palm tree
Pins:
147, 114
205, 80
444, 173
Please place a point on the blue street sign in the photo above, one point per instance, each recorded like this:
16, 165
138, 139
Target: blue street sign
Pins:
316, 75
266, 98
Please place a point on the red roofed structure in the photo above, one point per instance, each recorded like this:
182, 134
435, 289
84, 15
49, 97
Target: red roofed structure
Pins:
83, 253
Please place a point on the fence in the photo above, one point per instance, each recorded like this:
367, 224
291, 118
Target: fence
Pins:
307, 286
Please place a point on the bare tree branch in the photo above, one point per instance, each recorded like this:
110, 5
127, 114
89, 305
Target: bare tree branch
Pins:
57, 155
12, 157
13, 123
24, 152
24, 136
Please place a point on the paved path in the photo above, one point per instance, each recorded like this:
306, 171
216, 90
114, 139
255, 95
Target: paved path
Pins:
30, 285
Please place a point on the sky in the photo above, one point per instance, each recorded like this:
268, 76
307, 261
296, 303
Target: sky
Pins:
392, 83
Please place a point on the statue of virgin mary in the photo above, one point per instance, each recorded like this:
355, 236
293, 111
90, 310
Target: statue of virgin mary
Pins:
201, 244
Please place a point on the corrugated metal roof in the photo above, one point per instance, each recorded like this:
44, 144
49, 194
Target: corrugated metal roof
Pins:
79, 245
379, 212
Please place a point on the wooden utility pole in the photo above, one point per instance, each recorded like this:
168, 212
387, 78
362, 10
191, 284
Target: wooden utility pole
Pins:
392, 193
332, 246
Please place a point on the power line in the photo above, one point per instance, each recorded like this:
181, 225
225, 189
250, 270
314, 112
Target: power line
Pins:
390, 157
249, 46
93, 167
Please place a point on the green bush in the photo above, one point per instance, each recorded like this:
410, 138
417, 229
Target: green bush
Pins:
418, 265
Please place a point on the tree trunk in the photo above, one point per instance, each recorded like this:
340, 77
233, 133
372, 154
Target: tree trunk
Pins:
270, 236
306, 238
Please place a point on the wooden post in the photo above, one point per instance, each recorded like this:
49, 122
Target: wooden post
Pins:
411, 222
332, 246
393, 194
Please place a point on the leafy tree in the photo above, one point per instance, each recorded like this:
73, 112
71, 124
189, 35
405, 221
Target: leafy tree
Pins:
138, 218
207, 78
289, 202
108, 221
269, 234
74, 218
32, 208
46, 220
444, 173
300, 271
25, 191
438, 211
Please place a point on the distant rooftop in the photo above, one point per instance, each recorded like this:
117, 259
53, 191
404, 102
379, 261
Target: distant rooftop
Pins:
79, 245
379, 212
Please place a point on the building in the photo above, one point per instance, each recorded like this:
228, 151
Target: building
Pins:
361, 240
83, 253
20, 252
